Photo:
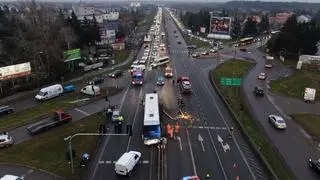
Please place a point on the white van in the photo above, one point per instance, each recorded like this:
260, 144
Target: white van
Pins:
91, 90
11, 177
49, 92
127, 162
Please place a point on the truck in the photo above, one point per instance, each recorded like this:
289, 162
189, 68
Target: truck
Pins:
184, 84
137, 77
168, 72
309, 95
60, 117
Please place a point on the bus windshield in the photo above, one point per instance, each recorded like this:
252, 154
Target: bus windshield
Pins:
151, 131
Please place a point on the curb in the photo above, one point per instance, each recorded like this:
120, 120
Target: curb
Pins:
37, 169
267, 166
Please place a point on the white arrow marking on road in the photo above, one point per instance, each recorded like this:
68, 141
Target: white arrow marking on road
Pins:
83, 112
225, 147
201, 142
179, 139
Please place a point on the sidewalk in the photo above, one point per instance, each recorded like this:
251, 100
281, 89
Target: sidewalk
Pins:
89, 74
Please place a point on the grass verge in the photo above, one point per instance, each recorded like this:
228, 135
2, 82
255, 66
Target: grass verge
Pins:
121, 55
238, 107
48, 150
310, 123
48, 107
195, 41
295, 85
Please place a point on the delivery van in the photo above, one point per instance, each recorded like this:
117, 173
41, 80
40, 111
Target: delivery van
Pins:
309, 95
127, 162
49, 92
91, 90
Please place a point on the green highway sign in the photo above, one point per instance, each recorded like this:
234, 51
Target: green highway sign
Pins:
71, 55
230, 81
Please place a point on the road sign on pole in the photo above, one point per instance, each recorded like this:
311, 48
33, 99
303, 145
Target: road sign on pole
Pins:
230, 81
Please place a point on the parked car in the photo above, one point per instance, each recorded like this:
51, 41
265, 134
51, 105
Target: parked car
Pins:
262, 76
96, 80
315, 165
205, 53
5, 140
195, 55
179, 42
49, 92
259, 91
115, 74
91, 90
5, 110
277, 121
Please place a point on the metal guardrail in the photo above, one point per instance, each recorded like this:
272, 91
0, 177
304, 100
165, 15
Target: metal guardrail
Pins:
253, 146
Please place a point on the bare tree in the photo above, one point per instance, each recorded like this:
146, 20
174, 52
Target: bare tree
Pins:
69, 36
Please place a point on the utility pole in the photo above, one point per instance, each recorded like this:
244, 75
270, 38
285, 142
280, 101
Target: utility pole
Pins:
69, 138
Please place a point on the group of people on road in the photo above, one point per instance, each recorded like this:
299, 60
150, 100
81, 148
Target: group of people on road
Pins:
173, 130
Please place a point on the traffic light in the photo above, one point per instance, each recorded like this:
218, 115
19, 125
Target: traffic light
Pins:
129, 130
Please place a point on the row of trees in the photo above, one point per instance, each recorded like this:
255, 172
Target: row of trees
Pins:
296, 38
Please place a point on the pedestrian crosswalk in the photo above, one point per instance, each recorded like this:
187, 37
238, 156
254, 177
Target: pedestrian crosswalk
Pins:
113, 162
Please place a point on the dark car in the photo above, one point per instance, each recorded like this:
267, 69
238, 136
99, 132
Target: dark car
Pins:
174, 31
179, 42
259, 91
115, 74
315, 165
97, 80
243, 49
4, 110
192, 47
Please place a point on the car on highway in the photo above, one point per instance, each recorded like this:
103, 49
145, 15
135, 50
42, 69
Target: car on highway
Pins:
277, 121
191, 178
5, 110
315, 165
96, 80
160, 81
243, 49
179, 42
11, 177
258, 91
262, 76
127, 162
115, 115
6, 140
213, 51
115, 74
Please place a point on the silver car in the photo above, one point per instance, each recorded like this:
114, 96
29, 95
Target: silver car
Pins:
5, 140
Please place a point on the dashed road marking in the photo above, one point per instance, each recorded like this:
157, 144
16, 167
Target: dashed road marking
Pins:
81, 111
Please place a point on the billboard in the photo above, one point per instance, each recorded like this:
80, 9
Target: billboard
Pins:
71, 55
15, 71
220, 25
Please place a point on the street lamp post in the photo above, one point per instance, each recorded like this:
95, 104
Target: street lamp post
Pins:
69, 138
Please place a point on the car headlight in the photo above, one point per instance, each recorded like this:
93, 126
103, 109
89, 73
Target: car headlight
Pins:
133, 82
140, 82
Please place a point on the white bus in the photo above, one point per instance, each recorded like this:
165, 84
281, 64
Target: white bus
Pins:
160, 61
151, 123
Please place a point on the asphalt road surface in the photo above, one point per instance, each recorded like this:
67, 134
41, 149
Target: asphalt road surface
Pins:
191, 156
293, 146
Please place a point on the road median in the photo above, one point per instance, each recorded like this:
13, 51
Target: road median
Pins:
48, 150
66, 102
234, 102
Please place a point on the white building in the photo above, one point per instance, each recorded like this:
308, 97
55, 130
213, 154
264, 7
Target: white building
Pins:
304, 18
83, 10
111, 16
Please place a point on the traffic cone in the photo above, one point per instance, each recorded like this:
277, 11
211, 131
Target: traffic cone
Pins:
237, 178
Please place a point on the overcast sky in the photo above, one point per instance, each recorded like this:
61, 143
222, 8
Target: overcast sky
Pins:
312, 1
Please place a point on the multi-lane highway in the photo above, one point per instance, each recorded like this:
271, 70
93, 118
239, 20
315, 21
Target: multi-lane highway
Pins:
193, 156
292, 144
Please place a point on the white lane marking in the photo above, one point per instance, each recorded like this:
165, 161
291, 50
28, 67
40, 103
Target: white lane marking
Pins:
108, 137
216, 151
205, 84
81, 111
145, 162
108, 162
191, 154
180, 144
201, 142
27, 173
277, 107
